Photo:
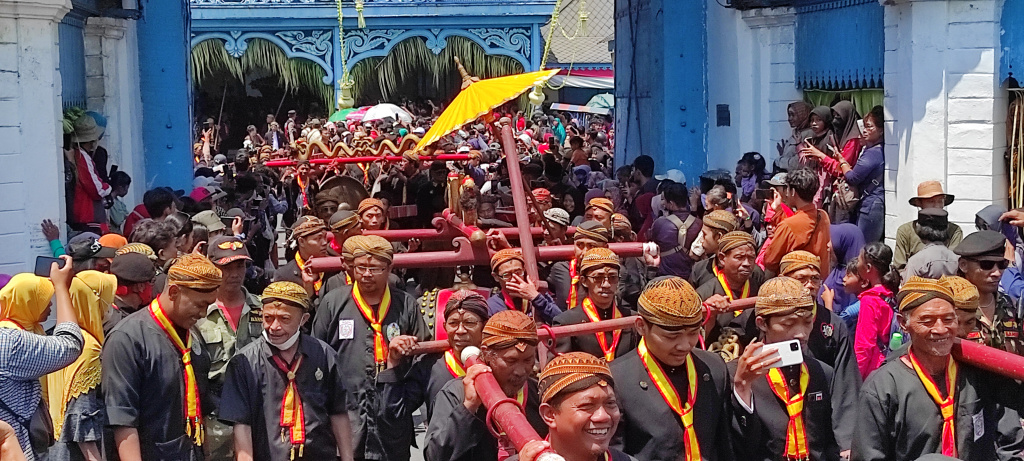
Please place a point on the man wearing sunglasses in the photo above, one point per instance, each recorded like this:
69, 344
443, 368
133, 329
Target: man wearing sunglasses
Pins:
600, 269
982, 262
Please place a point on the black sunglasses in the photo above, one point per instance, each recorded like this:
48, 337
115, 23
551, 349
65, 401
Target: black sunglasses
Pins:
988, 264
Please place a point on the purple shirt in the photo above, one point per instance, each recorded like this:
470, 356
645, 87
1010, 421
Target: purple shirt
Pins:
666, 235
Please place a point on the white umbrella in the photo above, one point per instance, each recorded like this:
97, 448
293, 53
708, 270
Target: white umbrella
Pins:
381, 111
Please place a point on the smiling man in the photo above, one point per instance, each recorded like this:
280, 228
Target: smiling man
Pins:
927, 402
155, 371
673, 396
457, 431
600, 271
578, 405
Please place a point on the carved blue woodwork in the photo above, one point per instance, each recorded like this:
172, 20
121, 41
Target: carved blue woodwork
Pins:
315, 45
1012, 42
822, 66
514, 42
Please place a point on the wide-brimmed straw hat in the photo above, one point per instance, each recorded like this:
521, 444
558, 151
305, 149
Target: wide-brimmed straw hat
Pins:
930, 189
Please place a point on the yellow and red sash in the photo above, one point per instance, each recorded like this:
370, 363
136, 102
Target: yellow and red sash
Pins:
947, 406
745, 293
319, 276
602, 340
796, 432
671, 396
293, 417
511, 305
573, 286
193, 411
454, 366
380, 346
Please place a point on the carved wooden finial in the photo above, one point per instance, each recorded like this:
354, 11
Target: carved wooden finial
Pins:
466, 78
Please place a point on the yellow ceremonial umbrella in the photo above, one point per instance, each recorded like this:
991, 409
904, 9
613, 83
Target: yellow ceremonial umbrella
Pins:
479, 97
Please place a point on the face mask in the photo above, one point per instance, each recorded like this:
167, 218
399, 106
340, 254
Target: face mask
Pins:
288, 343
147, 294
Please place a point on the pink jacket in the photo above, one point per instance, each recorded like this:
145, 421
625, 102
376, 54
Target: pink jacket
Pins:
872, 329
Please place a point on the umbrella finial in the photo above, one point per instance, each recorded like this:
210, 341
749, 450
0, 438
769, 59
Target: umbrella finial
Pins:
466, 78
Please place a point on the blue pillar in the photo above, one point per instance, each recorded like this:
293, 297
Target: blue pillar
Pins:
536, 48
661, 84
166, 93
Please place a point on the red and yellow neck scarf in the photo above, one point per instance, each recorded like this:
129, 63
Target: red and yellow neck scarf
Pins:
671, 396
796, 432
193, 411
380, 346
511, 305
947, 406
319, 277
293, 417
454, 366
745, 292
573, 285
602, 340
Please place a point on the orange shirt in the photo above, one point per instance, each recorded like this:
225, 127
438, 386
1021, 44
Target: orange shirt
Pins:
808, 230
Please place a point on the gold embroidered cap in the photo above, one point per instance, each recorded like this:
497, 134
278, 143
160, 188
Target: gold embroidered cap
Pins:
287, 292
734, 240
919, 290
592, 230
368, 203
196, 272
671, 302
797, 260
505, 255
308, 225
373, 245
598, 257
510, 328
965, 294
783, 296
343, 220
601, 203
721, 220
573, 372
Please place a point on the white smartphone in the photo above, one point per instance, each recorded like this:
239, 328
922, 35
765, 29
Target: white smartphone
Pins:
789, 353
860, 125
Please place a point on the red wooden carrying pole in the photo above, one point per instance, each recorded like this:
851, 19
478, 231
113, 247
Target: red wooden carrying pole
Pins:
367, 159
578, 329
502, 411
447, 232
989, 358
469, 255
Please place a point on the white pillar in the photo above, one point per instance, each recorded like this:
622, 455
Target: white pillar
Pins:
945, 110
112, 89
775, 70
31, 165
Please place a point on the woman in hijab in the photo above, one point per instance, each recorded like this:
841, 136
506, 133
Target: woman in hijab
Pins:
821, 138
26, 355
847, 241
799, 113
76, 405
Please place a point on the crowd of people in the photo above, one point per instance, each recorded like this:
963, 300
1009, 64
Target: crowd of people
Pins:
183, 331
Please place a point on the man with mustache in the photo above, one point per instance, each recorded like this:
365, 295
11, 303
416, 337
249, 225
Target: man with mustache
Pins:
926, 402
457, 431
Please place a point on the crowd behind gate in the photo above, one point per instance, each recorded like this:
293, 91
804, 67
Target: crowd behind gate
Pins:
191, 326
